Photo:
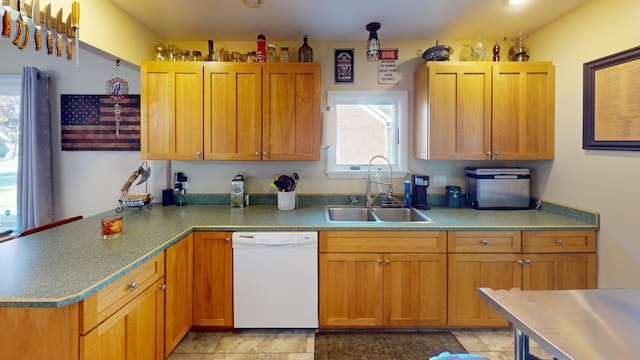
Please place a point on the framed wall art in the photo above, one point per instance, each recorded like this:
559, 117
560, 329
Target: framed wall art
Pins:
611, 102
90, 123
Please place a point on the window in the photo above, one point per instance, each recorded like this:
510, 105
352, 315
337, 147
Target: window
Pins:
10, 85
368, 123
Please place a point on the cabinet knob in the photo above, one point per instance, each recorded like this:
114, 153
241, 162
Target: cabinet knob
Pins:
264, 153
198, 154
163, 287
133, 285
559, 242
519, 262
379, 261
488, 153
496, 153
387, 261
527, 261
485, 242
227, 239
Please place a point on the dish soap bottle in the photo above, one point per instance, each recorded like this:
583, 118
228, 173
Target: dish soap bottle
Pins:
305, 53
407, 194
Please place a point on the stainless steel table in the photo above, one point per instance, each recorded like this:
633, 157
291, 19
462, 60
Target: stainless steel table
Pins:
572, 324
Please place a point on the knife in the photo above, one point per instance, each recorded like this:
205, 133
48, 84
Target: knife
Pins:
59, 32
6, 19
16, 40
70, 35
35, 17
48, 26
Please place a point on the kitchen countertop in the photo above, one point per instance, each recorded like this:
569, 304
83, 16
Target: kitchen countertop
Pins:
66, 264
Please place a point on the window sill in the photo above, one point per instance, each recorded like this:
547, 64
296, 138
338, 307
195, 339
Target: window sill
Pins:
362, 174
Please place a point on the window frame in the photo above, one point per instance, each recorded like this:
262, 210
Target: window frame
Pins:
400, 98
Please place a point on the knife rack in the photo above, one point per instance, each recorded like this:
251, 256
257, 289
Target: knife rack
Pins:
28, 9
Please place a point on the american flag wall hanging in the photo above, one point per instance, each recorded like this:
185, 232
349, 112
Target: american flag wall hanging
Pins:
89, 123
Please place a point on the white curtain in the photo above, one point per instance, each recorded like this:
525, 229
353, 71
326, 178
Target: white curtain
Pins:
35, 184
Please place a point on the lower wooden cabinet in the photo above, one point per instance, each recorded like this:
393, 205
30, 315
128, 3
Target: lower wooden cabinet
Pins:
213, 277
530, 260
133, 332
376, 279
178, 292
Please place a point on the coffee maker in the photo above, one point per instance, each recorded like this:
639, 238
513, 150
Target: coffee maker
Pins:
419, 185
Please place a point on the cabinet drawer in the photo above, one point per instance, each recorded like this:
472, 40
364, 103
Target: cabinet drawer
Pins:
558, 241
383, 241
484, 241
106, 301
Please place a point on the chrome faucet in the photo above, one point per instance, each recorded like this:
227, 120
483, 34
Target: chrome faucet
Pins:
389, 185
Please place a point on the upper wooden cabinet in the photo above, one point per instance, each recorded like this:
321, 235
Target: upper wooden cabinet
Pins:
230, 111
171, 111
484, 111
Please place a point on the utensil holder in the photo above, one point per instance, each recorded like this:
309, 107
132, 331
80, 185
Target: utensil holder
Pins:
287, 200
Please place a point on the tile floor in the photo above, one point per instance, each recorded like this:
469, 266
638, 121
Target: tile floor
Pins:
299, 344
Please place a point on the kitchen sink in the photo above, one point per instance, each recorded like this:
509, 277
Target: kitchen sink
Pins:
400, 215
336, 213
376, 214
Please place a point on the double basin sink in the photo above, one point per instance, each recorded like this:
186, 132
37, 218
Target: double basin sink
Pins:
374, 214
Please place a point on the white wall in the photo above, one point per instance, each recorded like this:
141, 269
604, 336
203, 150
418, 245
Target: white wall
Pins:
85, 182
604, 181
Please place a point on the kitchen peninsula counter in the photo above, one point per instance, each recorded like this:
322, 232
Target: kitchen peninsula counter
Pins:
66, 264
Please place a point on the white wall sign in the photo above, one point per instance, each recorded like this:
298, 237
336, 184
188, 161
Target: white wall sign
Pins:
388, 68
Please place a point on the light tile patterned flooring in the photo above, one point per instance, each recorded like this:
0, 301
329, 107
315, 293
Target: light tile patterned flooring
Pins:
255, 344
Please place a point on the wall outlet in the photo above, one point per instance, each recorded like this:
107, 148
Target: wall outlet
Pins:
439, 181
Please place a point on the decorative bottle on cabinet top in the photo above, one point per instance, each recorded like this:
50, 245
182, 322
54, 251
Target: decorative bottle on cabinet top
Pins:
261, 53
305, 53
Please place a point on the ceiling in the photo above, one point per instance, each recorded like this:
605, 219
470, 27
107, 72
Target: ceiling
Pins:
333, 20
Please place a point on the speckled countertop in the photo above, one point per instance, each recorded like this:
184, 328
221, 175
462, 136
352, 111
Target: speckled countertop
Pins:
66, 264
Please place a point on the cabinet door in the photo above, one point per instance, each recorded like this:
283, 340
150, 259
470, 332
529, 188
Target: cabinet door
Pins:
171, 111
178, 292
559, 271
523, 111
468, 272
453, 111
350, 289
415, 289
233, 111
212, 279
133, 332
291, 112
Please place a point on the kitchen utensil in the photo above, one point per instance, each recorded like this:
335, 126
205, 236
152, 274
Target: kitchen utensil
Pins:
35, 17
287, 181
6, 19
437, 53
70, 36
59, 33
281, 185
23, 26
295, 178
49, 27
273, 185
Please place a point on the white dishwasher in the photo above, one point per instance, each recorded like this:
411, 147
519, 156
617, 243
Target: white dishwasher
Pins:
275, 279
